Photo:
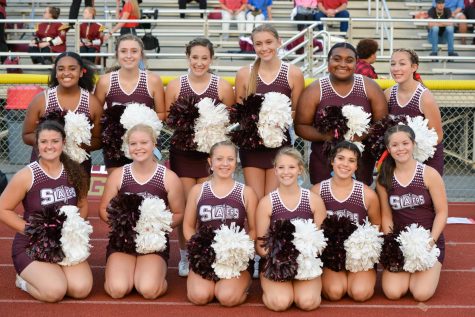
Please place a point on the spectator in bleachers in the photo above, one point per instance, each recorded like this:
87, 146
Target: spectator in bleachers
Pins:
74, 9
233, 10
305, 10
333, 9
50, 37
130, 11
258, 10
91, 34
3, 40
441, 32
366, 50
182, 6
469, 12
456, 7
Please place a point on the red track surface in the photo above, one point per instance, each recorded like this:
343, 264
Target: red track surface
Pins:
455, 295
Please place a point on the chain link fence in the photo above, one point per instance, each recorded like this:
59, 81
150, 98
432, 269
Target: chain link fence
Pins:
458, 116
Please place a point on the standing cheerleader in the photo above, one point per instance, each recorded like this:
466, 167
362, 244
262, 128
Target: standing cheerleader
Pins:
148, 179
219, 201
347, 197
53, 180
125, 86
411, 193
340, 88
289, 201
409, 97
191, 165
267, 74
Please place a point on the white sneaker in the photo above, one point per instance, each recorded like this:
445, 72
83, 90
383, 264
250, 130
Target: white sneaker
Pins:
21, 283
183, 268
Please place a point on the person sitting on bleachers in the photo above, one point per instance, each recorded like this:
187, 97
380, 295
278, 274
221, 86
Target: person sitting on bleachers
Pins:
456, 7
333, 9
366, 50
50, 37
182, 6
233, 10
469, 12
305, 10
91, 34
257, 10
441, 32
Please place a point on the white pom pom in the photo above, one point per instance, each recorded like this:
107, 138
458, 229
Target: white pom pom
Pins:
426, 139
310, 242
153, 226
358, 121
363, 247
233, 249
134, 114
210, 127
275, 118
74, 237
415, 245
78, 131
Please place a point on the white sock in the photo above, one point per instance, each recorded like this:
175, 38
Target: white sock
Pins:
183, 255
21, 284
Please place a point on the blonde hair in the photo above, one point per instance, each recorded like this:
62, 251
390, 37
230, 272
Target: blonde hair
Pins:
295, 154
142, 128
135, 8
120, 39
91, 9
223, 143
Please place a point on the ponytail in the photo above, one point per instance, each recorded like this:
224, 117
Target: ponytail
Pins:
386, 173
252, 84
76, 175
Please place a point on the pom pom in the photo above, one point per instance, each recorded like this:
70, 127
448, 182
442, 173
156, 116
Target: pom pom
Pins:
153, 226
201, 255
280, 263
78, 131
246, 136
233, 249
210, 126
112, 132
391, 257
426, 139
54, 115
134, 114
363, 247
123, 213
275, 117
44, 234
330, 120
75, 236
415, 245
182, 117
310, 243
375, 139
336, 229
357, 121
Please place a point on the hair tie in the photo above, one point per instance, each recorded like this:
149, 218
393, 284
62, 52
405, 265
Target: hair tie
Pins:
84, 70
381, 160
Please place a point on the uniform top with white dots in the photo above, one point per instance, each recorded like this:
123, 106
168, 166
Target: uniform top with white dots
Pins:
52, 102
412, 203
279, 84
154, 186
281, 212
213, 210
211, 90
412, 108
46, 190
353, 206
140, 94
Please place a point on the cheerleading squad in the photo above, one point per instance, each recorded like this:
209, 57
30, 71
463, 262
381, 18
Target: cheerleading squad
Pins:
301, 243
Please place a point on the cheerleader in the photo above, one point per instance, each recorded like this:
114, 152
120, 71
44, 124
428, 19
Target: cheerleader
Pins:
52, 180
289, 201
409, 97
347, 197
267, 74
340, 88
50, 37
91, 34
204, 207
411, 192
192, 166
145, 177
128, 85
70, 86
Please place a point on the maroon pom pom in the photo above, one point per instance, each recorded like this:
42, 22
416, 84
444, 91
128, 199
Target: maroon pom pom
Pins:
336, 229
112, 132
44, 234
330, 120
375, 140
123, 213
200, 253
392, 258
280, 263
54, 115
247, 115
182, 118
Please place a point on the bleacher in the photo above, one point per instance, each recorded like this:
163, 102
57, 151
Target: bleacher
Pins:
174, 33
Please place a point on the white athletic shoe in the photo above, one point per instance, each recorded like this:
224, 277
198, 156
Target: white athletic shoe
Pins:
20, 283
183, 268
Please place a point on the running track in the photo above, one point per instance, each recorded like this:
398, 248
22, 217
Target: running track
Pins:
455, 295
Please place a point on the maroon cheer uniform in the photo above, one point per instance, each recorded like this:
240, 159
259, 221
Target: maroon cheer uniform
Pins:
281, 212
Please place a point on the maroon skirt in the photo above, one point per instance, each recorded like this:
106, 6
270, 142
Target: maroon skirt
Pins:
20, 259
191, 164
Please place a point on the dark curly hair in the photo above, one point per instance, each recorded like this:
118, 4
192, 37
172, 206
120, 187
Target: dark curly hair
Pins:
87, 80
77, 177
341, 45
366, 48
